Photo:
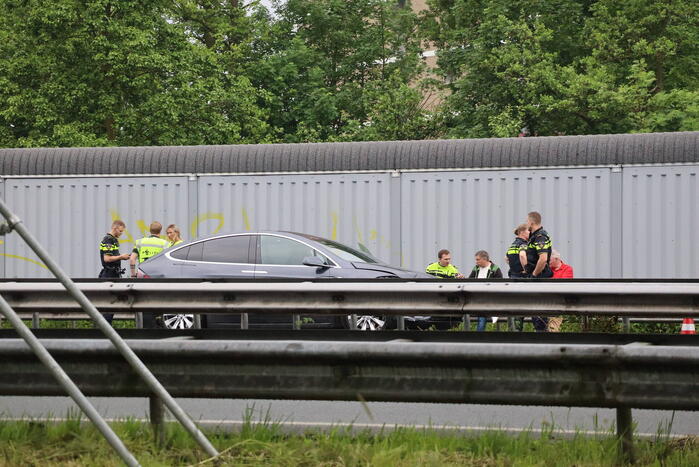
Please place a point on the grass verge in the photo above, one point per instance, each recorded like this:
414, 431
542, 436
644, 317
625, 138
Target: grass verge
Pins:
77, 443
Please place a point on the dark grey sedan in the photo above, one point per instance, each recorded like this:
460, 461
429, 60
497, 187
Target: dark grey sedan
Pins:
269, 255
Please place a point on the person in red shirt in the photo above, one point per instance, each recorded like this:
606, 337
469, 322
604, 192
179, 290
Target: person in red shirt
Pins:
560, 270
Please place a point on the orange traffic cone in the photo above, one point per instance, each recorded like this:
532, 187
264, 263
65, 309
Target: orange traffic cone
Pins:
687, 326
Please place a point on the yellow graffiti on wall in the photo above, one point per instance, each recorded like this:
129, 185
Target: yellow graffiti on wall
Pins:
216, 216
333, 235
38, 263
246, 221
9, 255
126, 236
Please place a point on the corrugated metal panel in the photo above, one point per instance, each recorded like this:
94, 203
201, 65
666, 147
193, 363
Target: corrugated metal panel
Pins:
661, 222
423, 212
591, 150
3, 258
469, 211
70, 217
353, 209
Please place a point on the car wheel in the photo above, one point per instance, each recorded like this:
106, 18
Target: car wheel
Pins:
367, 323
178, 321
370, 322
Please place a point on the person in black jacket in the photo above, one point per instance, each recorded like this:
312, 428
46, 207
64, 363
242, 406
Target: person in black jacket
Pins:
484, 269
517, 252
538, 258
110, 258
516, 258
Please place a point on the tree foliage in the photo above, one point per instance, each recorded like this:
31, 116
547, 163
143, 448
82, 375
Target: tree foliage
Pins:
567, 66
99, 72
107, 72
330, 61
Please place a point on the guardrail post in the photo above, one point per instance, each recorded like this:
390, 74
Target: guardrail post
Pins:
139, 320
624, 432
244, 322
197, 321
35, 321
353, 322
626, 324
467, 322
157, 420
296, 321
401, 323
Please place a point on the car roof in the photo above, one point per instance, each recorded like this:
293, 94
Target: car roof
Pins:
257, 232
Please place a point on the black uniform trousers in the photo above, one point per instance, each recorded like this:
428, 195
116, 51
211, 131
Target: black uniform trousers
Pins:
518, 320
541, 323
109, 273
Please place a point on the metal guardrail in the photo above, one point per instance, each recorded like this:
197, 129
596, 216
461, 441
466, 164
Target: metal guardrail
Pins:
502, 298
588, 375
597, 376
639, 376
130, 316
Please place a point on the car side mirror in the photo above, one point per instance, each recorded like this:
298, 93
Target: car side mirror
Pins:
314, 261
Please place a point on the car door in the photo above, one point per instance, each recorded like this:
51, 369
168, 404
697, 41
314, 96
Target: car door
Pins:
220, 257
282, 257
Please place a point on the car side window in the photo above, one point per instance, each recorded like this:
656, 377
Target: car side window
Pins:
190, 253
285, 251
180, 253
195, 252
324, 258
232, 249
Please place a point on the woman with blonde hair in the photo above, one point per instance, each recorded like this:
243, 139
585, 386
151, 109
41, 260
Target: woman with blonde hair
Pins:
173, 235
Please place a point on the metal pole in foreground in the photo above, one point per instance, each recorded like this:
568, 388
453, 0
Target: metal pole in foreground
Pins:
67, 384
15, 223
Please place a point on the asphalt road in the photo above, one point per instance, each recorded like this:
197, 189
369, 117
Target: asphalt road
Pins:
298, 416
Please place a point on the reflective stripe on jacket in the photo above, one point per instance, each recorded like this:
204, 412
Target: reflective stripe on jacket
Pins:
147, 247
444, 272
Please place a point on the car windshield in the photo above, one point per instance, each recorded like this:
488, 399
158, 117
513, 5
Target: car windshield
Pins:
343, 251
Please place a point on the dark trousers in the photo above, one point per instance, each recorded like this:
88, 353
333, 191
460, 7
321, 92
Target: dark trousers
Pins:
518, 320
109, 273
541, 323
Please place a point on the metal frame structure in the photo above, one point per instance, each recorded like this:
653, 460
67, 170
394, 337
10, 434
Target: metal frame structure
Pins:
157, 389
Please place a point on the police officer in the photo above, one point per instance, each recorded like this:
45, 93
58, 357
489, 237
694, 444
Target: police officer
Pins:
538, 257
109, 251
516, 255
147, 247
443, 268
110, 257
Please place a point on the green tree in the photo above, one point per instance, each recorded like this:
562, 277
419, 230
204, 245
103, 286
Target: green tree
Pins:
327, 61
566, 66
397, 111
99, 72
